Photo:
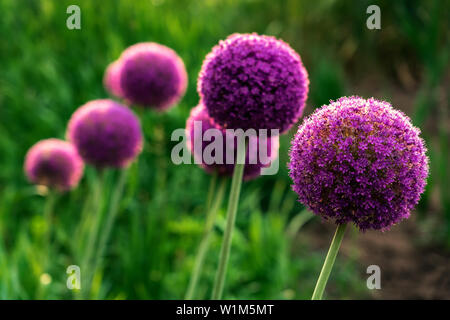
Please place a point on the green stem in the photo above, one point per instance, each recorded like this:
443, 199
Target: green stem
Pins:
211, 191
48, 216
84, 222
233, 200
110, 219
297, 222
329, 262
93, 232
204, 244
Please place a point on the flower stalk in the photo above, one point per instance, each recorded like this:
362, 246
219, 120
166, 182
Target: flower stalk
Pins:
86, 266
48, 216
235, 191
329, 262
110, 219
206, 240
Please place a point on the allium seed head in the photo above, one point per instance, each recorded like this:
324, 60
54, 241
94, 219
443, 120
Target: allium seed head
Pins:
111, 79
359, 161
253, 81
105, 133
253, 162
54, 163
152, 75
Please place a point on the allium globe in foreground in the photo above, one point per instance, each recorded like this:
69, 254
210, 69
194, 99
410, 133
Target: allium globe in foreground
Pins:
105, 133
111, 79
253, 81
359, 161
253, 163
54, 163
152, 75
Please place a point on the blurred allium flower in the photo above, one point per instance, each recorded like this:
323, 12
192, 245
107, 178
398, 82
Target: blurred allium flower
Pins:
111, 78
253, 81
359, 161
54, 163
105, 133
252, 167
152, 75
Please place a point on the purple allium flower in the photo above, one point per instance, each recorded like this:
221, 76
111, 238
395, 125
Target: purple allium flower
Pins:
253, 163
105, 133
54, 163
359, 161
152, 75
111, 78
253, 81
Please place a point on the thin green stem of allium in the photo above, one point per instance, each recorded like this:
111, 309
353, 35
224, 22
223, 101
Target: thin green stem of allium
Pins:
48, 217
206, 240
297, 222
211, 191
93, 232
233, 200
86, 211
329, 262
110, 219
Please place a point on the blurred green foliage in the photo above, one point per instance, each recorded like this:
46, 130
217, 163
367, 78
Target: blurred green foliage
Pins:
47, 71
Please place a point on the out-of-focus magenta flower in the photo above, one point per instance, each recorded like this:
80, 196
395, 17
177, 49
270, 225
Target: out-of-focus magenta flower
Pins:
55, 164
253, 81
253, 162
105, 133
359, 161
152, 75
111, 79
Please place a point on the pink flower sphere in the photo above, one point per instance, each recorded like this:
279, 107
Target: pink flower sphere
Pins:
152, 75
55, 164
111, 79
105, 133
253, 164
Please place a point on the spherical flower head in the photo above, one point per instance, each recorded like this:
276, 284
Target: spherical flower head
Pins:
105, 133
111, 79
55, 164
359, 161
152, 76
255, 160
253, 81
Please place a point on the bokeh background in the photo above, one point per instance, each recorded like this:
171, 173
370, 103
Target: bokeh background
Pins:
47, 71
